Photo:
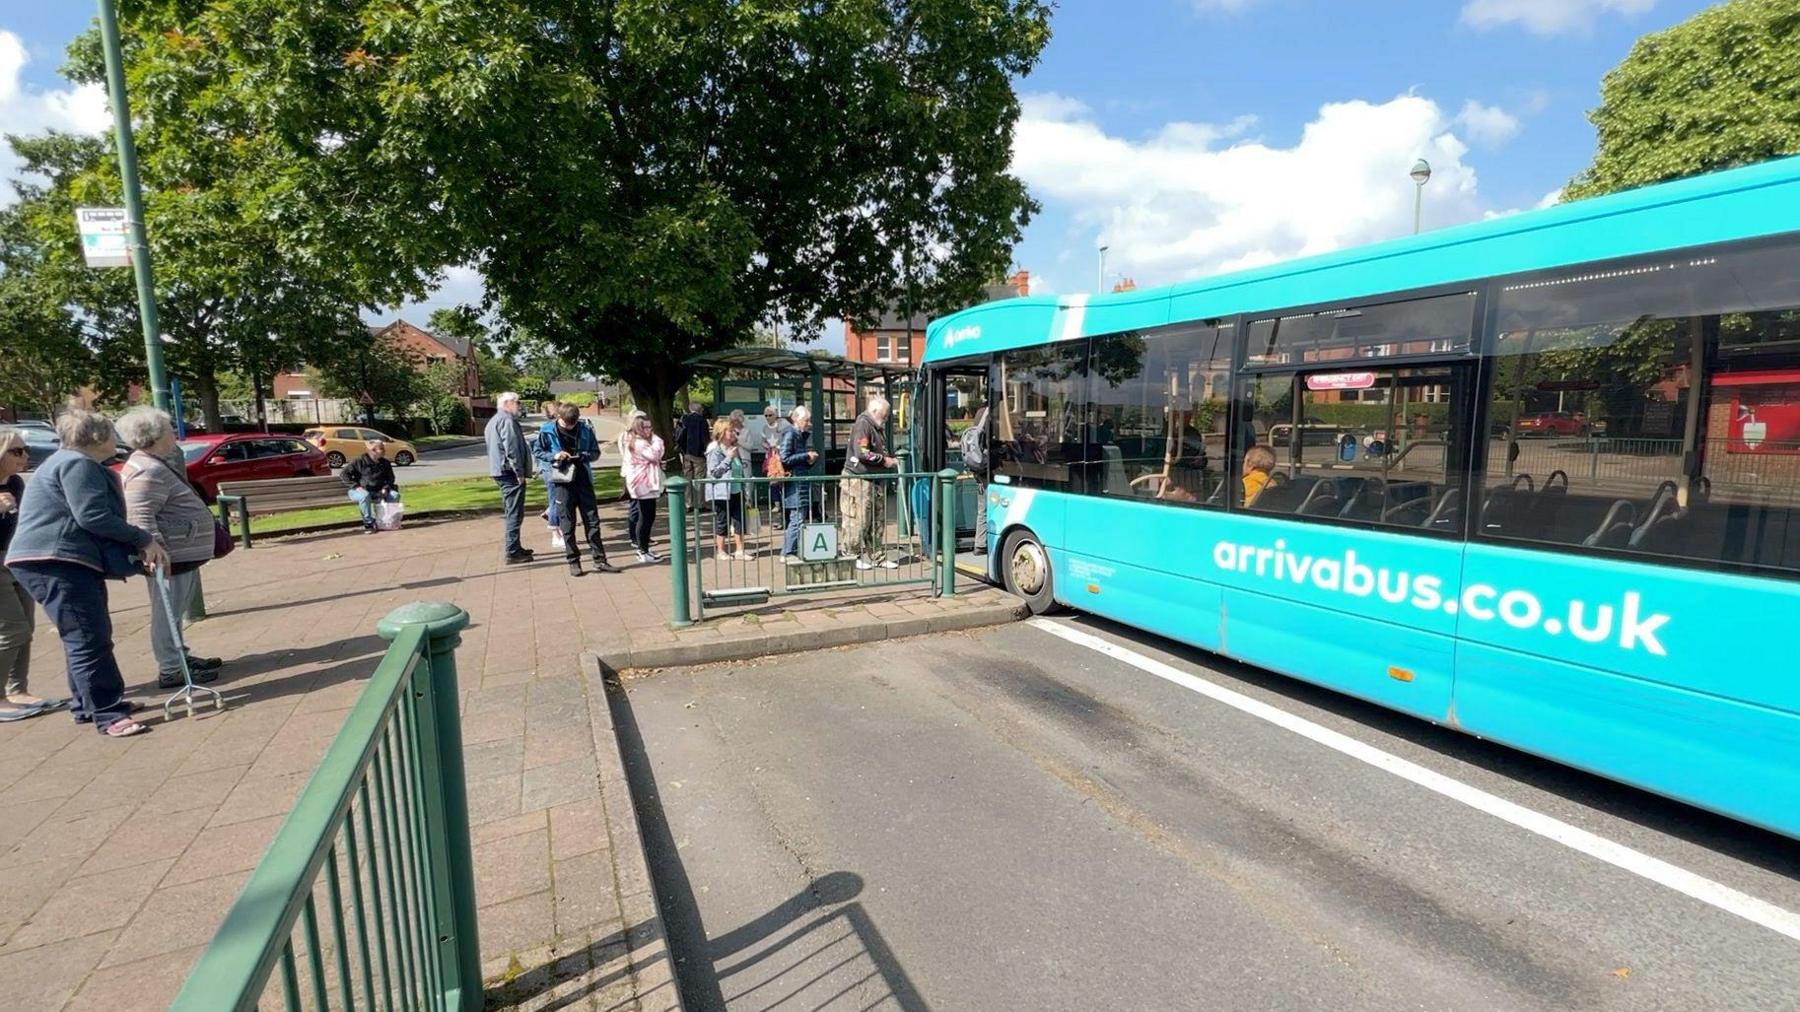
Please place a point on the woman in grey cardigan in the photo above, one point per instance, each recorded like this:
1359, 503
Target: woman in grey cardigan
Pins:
72, 515
159, 499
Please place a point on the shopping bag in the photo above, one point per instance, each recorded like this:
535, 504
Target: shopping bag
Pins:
388, 515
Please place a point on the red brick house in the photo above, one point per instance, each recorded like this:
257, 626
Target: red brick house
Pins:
892, 341
428, 347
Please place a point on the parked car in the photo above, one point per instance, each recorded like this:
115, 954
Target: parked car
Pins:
343, 443
1553, 423
41, 441
248, 455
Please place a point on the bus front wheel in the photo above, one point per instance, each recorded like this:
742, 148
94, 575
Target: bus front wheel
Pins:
1027, 571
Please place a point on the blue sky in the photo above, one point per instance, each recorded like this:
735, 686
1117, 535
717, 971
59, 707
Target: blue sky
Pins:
1199, 135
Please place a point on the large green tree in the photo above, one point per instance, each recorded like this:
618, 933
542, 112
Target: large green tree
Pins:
271, 217
1718, 90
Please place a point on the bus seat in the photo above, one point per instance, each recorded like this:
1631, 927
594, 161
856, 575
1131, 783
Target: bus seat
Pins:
1322, 501
1447, 514
1615, 528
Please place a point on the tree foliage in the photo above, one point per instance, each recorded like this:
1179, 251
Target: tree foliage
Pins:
393, 377
1719, 90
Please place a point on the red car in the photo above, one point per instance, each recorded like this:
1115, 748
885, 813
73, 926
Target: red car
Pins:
243, 456
1553, 423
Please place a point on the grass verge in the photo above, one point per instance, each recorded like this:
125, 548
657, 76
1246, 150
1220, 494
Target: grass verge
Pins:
473, 494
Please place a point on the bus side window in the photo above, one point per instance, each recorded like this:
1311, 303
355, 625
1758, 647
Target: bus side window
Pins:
1652, 411
1038, 420
1373, 446
1158, 402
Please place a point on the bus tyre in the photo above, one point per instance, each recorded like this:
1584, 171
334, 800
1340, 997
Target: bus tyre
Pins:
1025, 565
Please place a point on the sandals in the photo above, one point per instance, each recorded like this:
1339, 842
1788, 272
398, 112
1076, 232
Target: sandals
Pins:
124, 727
17, 712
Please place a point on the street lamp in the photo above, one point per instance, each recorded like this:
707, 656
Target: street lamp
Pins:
1100, 277
1421, 174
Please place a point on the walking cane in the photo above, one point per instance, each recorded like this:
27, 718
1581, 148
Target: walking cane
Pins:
186, 695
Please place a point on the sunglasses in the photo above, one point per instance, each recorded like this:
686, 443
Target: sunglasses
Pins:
17, 451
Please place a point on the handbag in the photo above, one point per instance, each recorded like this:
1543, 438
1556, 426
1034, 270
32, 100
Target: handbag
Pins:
222, 542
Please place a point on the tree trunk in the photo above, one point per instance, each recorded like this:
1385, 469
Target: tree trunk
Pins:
207, 386
262, 406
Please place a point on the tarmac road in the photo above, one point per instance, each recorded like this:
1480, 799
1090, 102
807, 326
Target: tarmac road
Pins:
1011, 820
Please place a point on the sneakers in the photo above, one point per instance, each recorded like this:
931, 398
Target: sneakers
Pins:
204, 663
575, 568
889, 564
863, 564
518, 558
603, 566
745, 556
368, 526
173, 679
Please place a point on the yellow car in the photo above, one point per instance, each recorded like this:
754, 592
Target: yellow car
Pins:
343, 443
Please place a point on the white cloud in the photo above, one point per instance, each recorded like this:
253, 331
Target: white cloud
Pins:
462, 286
1547, 17
1196, 199
1487, 125
28, 110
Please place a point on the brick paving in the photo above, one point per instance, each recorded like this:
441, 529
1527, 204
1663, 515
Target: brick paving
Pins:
121, 857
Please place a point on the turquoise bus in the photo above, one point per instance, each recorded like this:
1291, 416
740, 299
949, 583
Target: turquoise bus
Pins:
1535, 478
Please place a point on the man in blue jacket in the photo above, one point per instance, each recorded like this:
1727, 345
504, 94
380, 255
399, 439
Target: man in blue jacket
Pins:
566, 450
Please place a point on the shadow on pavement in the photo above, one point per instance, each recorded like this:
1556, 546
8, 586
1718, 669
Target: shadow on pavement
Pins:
813, 949
280, 605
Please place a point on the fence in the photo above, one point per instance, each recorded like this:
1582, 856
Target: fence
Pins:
799, 549
1636, 467
387, 806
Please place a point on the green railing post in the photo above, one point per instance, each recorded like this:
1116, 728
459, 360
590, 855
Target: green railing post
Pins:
947, 532
903, 489
436, 702
678, 555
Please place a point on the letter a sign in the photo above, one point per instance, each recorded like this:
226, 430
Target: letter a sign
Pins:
818, 542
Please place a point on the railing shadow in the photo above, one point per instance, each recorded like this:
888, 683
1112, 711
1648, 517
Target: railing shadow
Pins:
814, 949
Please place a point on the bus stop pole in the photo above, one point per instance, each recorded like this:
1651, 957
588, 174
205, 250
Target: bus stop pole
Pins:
134, 204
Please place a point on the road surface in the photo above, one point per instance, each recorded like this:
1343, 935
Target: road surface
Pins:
1008, 819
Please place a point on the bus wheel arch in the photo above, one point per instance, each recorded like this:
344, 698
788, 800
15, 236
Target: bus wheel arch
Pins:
1025, 570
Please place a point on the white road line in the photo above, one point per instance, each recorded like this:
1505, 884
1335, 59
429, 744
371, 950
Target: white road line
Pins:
1756, 911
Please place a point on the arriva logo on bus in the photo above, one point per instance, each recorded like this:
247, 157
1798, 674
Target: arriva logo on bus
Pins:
1520, 609
961, 334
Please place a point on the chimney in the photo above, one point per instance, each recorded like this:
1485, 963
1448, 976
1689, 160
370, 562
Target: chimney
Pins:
1125, 285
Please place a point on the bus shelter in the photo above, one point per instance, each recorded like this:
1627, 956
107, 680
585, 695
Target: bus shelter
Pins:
833, 387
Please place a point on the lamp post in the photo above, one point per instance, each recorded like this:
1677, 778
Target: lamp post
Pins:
1100, 276
1421, 174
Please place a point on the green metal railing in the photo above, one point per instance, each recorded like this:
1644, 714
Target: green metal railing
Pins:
708, 567
376, 851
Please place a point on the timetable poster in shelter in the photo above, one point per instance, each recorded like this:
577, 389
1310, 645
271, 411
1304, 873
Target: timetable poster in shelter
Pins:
1765, 416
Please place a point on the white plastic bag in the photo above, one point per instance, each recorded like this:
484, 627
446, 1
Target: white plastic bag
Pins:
388, 515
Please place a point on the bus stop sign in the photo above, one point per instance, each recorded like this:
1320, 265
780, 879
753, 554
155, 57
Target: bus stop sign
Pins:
818, 542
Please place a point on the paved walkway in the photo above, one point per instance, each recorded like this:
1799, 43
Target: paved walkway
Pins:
121, 857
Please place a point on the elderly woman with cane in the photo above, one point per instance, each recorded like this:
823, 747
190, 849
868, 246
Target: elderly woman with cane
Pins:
71, 538
159, 499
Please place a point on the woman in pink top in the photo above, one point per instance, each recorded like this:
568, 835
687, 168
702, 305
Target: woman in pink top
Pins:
642, 469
